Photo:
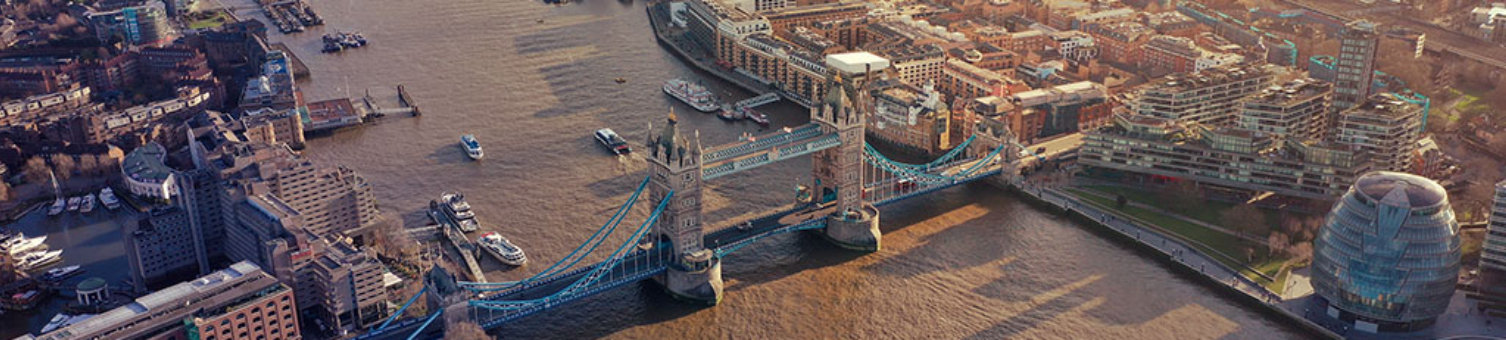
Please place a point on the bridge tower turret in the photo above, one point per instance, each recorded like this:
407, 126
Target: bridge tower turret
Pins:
674, 165
989, 135
838, 171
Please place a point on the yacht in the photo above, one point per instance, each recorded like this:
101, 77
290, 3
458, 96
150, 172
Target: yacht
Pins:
39, 259
73, 203
107, 197
471, 146
454, 204
88, 204
502, 249
56, 274
731, 113
695, 95
22, 244
57, 207
612, 141
63, 320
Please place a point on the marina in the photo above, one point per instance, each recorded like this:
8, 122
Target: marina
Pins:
341, 41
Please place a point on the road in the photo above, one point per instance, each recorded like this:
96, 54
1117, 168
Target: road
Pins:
1439, 39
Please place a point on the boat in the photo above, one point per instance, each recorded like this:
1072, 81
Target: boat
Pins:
693, 94
731, 114
472, 147
107, 197
612, 141
24, 300
57, 207
56, 274
457, 208
88, 204
502, 249
63, 320
73, 203
22, 244
759, 118
620, 80
39, 259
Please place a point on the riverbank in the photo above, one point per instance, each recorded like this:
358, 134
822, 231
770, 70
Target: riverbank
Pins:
688, 52
1184, 256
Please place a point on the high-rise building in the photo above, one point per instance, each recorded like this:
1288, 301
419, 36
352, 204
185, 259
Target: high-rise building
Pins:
1387, 258
239, 302
1297, 110
350, 281
1385, 127
162, 246
1210, 97
144, 24
1493, 254
1356, 64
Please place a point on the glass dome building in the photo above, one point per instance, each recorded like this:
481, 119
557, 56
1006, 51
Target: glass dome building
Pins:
1387, 257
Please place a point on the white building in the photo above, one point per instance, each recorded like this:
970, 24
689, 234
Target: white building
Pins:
146, 176
1493, 256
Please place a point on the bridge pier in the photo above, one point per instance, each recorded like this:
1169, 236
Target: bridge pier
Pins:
855, 229
695, 278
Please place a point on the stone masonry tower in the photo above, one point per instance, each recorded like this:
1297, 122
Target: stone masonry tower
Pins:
674, 164
991, 134
839, 171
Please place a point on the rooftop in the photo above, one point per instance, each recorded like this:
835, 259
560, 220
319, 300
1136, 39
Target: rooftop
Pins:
1293, 92
151, 303
856, 62
145, 163
1210, 76
1400, 189
1385, 105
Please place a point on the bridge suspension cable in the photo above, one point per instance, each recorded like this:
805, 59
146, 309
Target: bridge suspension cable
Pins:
880, 161
595, 240
587, 280
868, 148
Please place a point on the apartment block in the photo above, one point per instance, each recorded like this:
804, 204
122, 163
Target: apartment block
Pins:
1212, 97
1297, 109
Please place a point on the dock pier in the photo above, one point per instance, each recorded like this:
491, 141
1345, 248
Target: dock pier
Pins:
407, 101
451, 230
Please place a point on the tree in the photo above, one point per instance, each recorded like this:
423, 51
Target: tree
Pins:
1182, 195
4, 191
36, 170
64, 166
1278, 242
1245, 219
89, 165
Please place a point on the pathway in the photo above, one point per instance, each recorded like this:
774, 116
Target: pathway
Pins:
1183, 218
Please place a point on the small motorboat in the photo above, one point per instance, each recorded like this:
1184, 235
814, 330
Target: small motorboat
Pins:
759, 118
612, 141
107, 197
472, 147
731, 114
620, 80
88, 205
56, 274
39, 259
73, 203
57, 207
21, 244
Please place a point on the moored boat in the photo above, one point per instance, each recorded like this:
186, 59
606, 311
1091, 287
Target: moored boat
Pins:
88, 204
502, 249
57, 207
472, 147
73, 203
107, 197
695, 95
22, 244
39, 259
758, 117
60, 273
731, 114
455, 206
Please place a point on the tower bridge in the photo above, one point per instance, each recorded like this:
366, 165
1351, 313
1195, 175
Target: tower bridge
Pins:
673, 247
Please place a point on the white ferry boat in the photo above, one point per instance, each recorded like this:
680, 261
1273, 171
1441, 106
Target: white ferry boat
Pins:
88, 204
695, 95
107, 197
612, 141
502, 249
472, 147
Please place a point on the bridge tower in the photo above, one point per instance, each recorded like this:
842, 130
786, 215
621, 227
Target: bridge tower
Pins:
444, 294
990, 134
839, 170
674, 164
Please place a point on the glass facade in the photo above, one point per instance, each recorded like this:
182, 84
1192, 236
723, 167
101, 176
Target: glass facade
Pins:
1388, 254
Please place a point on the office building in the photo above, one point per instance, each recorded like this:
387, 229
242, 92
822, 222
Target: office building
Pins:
144, 24
1384, 126
1355, 66
1149, 146
239, 302
350, 287
161, 247
1387, 258
1211, 97
1298, 109
1493, 254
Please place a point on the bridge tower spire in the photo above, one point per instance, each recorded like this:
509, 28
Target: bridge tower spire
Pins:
674, 165
838, 171
989, 135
